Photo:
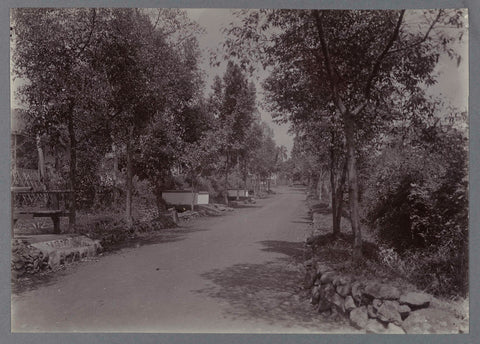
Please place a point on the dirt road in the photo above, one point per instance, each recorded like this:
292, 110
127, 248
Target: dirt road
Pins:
234, 273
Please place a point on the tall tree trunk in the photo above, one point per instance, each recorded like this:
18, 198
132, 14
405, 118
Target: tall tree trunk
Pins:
245, 176
226, 180
41, 162
73, 170
315, 179
192, 205
115, 173
336, 228
353, 185
128, 209
157, 189
337, 217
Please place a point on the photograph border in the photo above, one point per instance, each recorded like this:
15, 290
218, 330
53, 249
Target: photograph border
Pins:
474, 178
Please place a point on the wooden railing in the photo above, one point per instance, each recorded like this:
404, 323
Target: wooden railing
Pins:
27, 204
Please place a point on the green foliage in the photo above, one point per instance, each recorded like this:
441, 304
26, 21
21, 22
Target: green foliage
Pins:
113, 231
417, 199
361, 62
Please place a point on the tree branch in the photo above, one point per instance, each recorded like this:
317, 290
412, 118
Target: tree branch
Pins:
94, 15
381, 57
424, 38
328, 62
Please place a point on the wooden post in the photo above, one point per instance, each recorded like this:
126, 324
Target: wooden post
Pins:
41, 161
128, 210
12, 206
56, 224
115, 169
14, 153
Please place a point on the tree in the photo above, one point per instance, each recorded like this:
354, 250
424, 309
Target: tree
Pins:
199, 158
357, 57
233, 103
265, 157
53, 53
100, 77
322, 143
153, 84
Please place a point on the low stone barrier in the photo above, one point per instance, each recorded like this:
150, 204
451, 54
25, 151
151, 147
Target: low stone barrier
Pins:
49, 255
374, 306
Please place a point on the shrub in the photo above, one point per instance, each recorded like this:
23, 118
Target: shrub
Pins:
417, 200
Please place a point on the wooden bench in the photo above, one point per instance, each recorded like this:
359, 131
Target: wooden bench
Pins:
54, 202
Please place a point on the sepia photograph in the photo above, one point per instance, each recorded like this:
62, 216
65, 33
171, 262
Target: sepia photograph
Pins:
218, 170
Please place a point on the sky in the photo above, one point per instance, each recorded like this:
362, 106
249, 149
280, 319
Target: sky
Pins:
452, 79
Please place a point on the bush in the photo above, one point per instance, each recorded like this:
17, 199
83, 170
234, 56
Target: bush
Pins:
417, 200
112, 231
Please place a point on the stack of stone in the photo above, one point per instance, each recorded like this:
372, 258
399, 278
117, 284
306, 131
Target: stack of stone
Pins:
373, 306
26, 259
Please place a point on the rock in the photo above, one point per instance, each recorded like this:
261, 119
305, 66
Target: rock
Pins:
357, 292
309, 280
328, 292
338, 302
308, 263
328, 277
335, 315
394, 329
344, 290
376, 303
315, 295
404, 311
375, 326
387, 312
415, 300
381, 291
321, 269
340, 280
372, 312
359, 317
19, 265
430, 320
323, 305
349, 304
16, 258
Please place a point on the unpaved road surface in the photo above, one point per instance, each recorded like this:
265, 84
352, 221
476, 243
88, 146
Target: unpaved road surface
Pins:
236, 273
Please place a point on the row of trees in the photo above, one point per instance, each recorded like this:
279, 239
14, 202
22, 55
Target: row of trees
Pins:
352, 84
343, 77
127, 82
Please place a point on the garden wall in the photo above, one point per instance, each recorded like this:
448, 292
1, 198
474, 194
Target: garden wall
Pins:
376, 307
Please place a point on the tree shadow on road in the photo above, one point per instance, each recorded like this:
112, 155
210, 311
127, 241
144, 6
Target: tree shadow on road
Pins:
308, 222
242, 206
270, 292
294, 250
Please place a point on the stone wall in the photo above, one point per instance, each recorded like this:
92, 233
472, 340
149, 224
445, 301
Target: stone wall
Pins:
374, 306
37, 257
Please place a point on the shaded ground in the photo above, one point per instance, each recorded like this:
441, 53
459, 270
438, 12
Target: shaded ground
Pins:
270, 292
234, 273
